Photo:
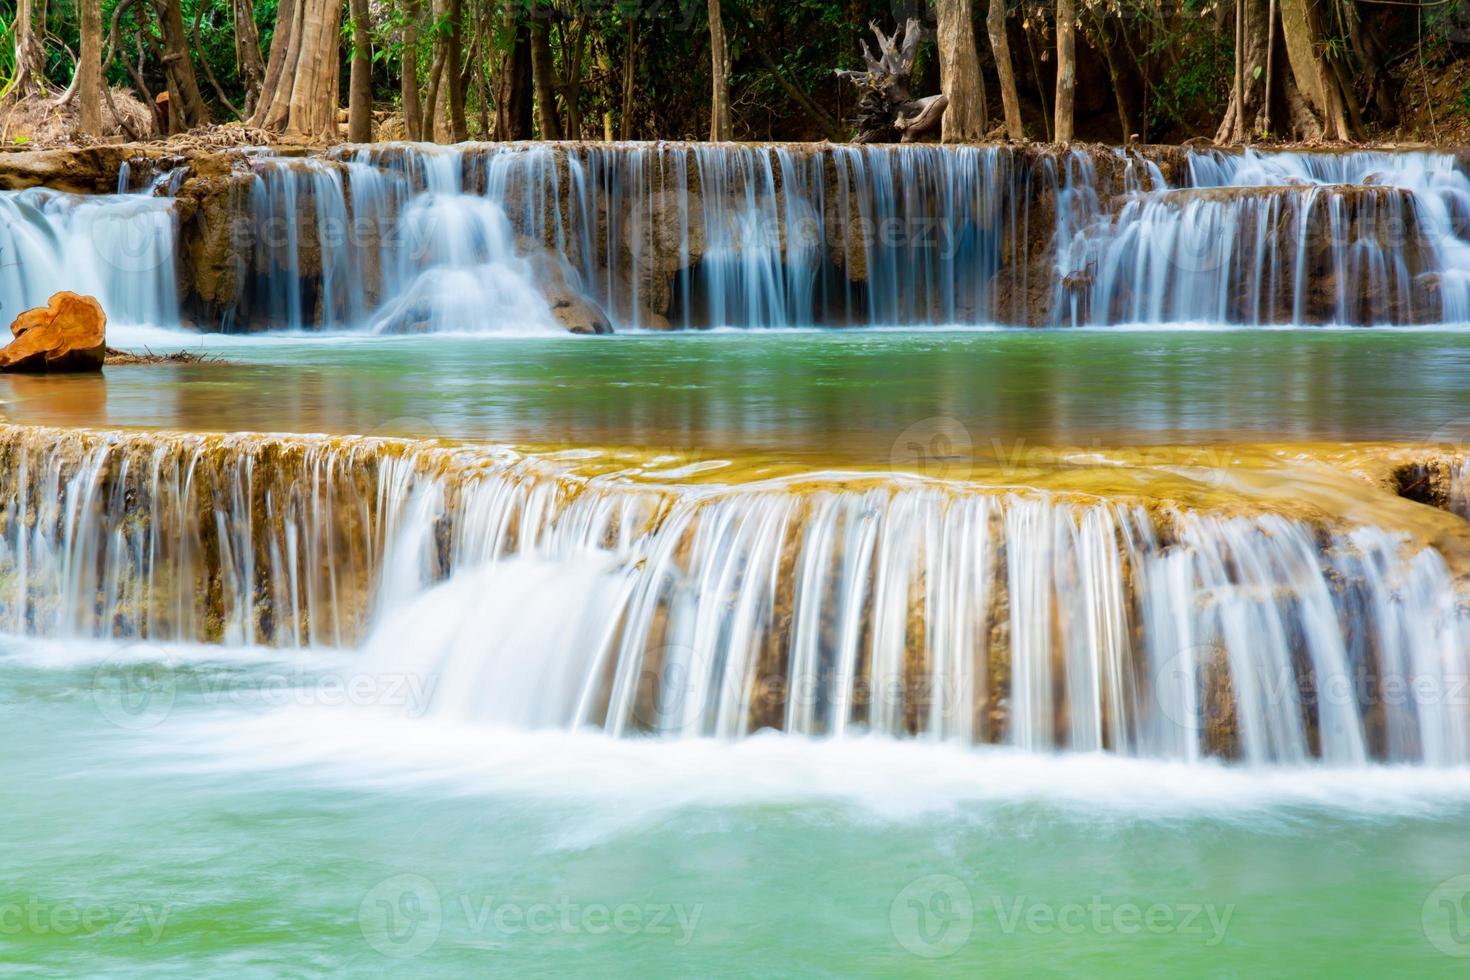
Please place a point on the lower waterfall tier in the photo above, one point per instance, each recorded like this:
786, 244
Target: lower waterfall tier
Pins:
1154, 607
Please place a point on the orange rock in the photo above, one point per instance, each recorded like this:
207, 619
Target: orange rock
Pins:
67, 334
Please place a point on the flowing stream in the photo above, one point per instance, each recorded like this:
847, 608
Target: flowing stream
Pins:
861, 652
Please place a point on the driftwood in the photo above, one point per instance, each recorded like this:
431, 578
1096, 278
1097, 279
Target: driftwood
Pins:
888, 112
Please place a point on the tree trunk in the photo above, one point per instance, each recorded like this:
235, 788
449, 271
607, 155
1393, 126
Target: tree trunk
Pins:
249, 67
1046, 103
409, 83
1000, 49
544, 78
276, 65
513, 83
89, 69
431, 124
183, 87
1115, 74
574, 51
959, 73
1066, 68
630, 66
459, 130
30, 57
1321, 82
1248, 112
360, 82
887, 111
300, 95
720, 129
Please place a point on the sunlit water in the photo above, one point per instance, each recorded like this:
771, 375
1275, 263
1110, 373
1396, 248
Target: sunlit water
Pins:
185, 810
829, 395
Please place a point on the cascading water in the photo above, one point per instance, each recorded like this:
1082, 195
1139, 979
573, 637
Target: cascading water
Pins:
540, 594
117, 247
492, 237
437, 259
694, 235
1359, 238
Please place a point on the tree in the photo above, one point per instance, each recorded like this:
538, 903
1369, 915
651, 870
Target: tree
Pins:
720, 128
89, 70
959, 73
360, 82
513, 85
543, 73
1066, 68
887, 111
299, 97
249, 66
30, 57
454, 69
409, 70
1282, 85
1000, 48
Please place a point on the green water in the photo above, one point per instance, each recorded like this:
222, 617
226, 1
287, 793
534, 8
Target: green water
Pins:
801, 394
184, 813
247, 825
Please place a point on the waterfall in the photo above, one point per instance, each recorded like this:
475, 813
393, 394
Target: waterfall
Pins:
510, 237
119, 248
824, 605
1359, 238
694, 235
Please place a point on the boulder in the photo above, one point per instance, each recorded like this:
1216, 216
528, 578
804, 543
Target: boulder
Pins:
67, 334
570, 308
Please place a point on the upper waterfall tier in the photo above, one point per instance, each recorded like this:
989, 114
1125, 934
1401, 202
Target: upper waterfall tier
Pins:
516, 237
1150, 609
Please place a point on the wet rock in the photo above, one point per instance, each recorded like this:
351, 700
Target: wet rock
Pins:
66, 335
574, 311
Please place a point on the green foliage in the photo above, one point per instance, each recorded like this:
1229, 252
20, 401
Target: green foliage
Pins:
1462, 104
1176, 56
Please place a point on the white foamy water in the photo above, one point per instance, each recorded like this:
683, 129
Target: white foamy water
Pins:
119, 248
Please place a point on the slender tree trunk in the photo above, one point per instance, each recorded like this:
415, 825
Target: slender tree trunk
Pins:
575, 51
720, 128
30, 56
360, 82
1046, 116
1066, 68
409, 83
249, 67
543, 74
959, 73
183, 86
513, 84
89, 69
630, 68
459, 130
194, 36
1115, 74
1000, 49
1249, 110
431, 125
